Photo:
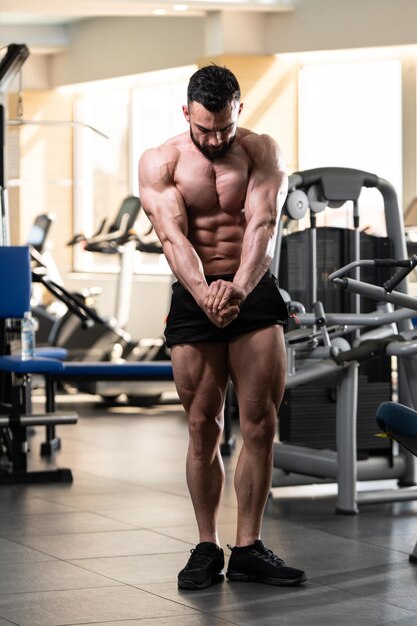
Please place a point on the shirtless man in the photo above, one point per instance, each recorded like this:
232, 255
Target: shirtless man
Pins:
213, 196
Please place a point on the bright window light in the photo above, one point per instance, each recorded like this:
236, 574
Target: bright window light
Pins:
350, 116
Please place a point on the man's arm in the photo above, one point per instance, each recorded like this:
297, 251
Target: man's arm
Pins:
166, 209
267, 190
266, 193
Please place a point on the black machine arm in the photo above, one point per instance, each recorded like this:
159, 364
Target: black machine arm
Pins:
405, 268
74, 302
384, 293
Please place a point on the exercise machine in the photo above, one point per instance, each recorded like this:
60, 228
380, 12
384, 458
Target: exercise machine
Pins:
121, 238
396, 420
325, 346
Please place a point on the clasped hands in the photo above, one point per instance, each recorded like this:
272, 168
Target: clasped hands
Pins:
222, 302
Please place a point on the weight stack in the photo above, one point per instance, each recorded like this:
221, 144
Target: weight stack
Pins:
335, 248
307, 416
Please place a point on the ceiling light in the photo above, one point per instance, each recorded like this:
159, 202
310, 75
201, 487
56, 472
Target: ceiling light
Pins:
159, 11
180, 7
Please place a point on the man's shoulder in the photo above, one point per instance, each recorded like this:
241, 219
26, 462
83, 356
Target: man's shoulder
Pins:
169, 150
251, 139
261, 148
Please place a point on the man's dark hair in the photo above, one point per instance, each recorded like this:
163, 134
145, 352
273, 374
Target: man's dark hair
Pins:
214, 87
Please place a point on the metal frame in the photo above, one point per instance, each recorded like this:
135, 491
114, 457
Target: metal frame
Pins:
295, 465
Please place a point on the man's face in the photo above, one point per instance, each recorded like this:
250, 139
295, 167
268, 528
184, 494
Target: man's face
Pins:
212, 133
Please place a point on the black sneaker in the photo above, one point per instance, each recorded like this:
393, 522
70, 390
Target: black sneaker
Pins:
204, 567
257, 564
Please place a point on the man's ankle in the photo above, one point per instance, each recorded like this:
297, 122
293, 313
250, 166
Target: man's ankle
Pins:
209, 539
247, 540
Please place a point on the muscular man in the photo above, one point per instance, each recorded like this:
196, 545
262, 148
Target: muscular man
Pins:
213, 196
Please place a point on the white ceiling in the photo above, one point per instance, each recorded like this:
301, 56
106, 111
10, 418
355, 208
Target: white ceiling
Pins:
44, 24
23, 12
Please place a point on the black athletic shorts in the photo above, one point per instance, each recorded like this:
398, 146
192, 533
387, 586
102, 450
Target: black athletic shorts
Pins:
187, 323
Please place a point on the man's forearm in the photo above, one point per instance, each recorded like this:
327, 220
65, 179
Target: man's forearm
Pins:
257, 254
187, 267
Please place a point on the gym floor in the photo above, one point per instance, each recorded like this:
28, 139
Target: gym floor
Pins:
106, 549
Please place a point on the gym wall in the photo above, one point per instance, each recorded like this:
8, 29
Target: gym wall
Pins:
40, 169
102, 48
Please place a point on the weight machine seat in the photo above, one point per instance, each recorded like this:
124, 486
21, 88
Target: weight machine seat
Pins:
104, 370
395, 418
399, 422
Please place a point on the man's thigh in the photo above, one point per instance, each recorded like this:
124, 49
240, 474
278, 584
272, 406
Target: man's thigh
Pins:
201, 376
257, 363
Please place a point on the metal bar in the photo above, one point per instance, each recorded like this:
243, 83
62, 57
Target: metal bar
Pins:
347, 397
38, 420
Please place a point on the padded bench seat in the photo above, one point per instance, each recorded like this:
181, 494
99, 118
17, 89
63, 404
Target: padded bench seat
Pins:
104, 370
37, 365
396, 418
400, 423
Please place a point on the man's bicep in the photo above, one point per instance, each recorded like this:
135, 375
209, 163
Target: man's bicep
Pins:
262, 196
161, 200
165, 208
268, 183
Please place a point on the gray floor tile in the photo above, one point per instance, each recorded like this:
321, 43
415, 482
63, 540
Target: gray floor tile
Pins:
59, 523
106, 549
83, 483
18, 578
104, 544
97, 502
324, 553
146, 517
13, 552
349, 612
183, 620
402, 542
164, 511
189, 533
153, 508
394, 584
253, 597
83, 606
14, 503
136, 570
371, 521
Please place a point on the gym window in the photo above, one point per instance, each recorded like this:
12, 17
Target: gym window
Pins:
135, 113
350, 116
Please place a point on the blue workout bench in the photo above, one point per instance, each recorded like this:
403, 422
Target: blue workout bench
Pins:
16, 415
74, 371
400, 423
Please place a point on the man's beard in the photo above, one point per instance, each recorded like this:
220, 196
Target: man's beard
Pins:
213, 152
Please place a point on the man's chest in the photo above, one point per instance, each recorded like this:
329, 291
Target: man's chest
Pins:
206, 186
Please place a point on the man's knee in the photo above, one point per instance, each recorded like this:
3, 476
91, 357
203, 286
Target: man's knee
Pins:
205, 432
259, 433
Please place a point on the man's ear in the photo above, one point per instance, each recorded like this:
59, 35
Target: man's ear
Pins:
186, 112
240, 108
